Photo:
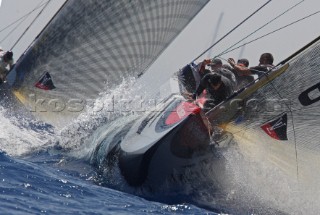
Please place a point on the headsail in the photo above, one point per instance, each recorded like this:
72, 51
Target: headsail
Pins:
91, 45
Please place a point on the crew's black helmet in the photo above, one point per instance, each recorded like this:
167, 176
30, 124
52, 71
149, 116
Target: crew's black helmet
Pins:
9, 55
214, 79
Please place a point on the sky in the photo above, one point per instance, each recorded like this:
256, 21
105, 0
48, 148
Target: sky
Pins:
12, 10
201, 33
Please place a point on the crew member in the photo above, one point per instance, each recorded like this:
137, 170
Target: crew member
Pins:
6, 60
218, 89
217, 66
242, 80
265, 64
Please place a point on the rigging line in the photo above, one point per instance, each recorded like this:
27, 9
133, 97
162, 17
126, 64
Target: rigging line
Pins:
233, 29
10, 32
25, 17
39, 6
31, 24
299, 20
294, 130
65, 2
277, 17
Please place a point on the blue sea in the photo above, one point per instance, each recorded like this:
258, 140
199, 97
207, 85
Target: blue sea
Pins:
46, 179
39, 186
45, 170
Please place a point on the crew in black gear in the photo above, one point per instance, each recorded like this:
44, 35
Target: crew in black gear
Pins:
218, 89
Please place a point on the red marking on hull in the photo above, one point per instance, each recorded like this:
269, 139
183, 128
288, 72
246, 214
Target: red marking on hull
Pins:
183, 110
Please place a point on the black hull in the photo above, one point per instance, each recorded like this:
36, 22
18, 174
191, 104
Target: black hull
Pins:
184, 146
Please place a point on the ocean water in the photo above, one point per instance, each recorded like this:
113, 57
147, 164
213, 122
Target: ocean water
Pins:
45, 170
42, 172
39, 186
46, 179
